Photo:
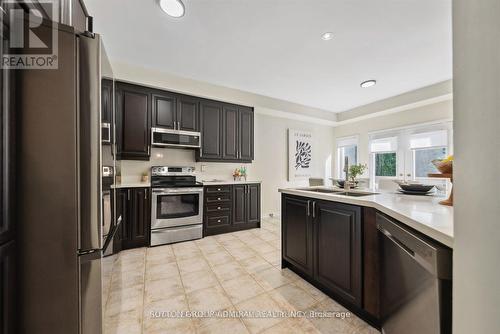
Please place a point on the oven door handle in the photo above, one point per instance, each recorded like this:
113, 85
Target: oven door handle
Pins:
177, 192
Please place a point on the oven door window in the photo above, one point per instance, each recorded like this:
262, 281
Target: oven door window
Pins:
177, 206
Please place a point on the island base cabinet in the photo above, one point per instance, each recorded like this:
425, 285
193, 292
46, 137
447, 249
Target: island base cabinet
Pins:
322, 241
337, 249
297, 233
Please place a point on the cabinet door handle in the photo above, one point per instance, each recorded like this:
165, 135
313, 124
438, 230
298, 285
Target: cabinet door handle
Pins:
308, 208
314, 209
128, 194
175, 124
178, 125
146, 194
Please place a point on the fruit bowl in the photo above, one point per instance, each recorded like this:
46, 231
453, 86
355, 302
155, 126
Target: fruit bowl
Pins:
443, 166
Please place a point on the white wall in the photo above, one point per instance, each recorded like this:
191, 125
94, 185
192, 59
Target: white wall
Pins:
476, 270
430, 113
271, 142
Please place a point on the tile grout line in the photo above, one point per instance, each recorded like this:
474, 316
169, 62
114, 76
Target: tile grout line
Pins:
183, 287
222, 287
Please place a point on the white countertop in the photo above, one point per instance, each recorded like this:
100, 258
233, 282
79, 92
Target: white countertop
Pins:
422, 213
223, 182
132, 185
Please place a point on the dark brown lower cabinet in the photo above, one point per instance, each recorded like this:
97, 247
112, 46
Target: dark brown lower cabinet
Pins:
134, 205
337, 249
322, 240
230, 208
297, 233
8, 293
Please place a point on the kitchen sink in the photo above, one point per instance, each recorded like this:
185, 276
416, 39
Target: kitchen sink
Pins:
355, 194
326, 191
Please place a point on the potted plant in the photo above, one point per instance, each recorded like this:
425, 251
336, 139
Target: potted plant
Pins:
355, 171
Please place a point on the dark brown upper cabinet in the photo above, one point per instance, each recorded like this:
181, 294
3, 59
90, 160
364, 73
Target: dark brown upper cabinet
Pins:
246, 134
229, 136
176, 112
211, 129
188, 113
133, 122
227, 130
230, 140
164, 110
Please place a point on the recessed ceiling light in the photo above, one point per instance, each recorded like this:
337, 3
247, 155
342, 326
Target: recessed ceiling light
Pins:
368, 83
327, 36
174, 8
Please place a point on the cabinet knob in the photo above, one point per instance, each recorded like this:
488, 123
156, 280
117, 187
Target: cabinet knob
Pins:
218, 221
218, 189
218, 198
218, 208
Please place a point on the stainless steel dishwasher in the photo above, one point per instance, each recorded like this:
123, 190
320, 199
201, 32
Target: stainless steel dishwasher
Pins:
415, 281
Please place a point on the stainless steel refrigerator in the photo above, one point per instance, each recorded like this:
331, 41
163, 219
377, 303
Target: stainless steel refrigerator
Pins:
60, 197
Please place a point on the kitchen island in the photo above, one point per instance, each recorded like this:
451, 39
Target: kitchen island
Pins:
337, 243
422, 213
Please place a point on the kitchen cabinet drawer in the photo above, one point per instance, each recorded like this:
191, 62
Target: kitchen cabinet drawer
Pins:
218, 189
217, 220
218, 207
218, 198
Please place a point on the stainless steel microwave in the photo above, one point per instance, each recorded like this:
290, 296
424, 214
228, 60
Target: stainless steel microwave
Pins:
175, 138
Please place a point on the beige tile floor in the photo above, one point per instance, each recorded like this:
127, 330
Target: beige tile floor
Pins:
231, 272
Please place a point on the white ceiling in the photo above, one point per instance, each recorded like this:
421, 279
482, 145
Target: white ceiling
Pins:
274, 48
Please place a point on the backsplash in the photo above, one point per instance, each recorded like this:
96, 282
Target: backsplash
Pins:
132, 170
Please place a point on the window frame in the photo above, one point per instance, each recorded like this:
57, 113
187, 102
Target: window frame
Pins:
344, 142
405, 155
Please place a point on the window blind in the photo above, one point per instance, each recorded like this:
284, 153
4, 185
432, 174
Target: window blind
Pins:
429, 139
388, 144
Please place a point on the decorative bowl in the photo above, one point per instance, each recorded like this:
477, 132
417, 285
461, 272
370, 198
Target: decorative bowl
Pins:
445, 167
416, 187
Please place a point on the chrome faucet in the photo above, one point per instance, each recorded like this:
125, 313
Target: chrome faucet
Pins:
347, 183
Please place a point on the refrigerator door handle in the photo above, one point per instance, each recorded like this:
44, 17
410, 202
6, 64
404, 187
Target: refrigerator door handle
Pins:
89, 143
112, 234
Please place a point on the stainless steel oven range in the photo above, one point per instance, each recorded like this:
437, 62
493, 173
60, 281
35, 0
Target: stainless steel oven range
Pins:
177, 205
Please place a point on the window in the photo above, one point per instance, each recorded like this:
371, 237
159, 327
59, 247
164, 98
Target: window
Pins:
427, 146
384, 156
346, 147
407, 153
385, 164
422, 160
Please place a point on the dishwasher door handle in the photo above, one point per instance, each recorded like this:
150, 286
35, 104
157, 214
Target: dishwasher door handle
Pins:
398, 243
